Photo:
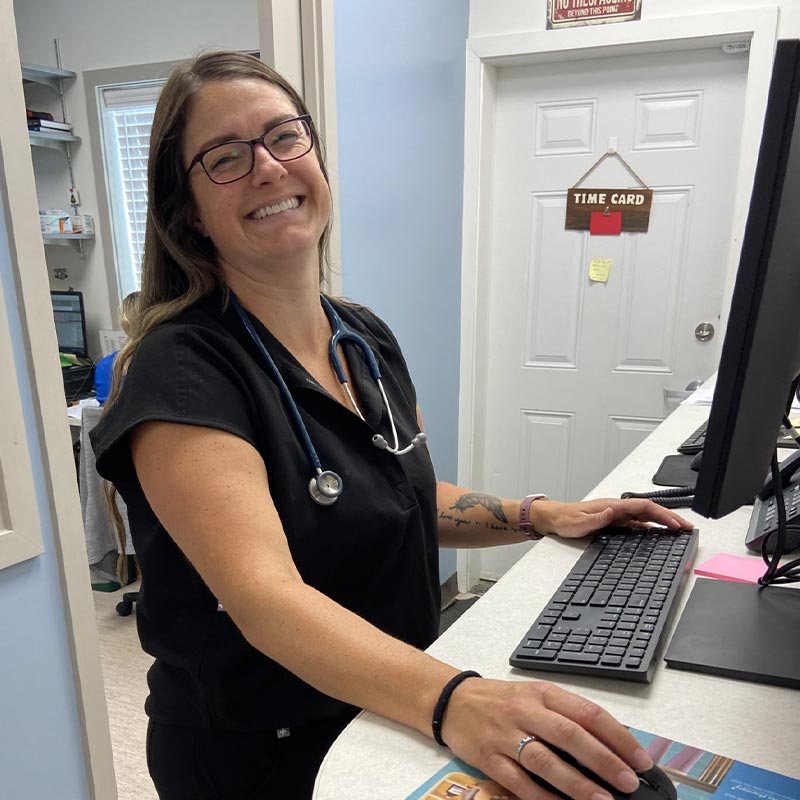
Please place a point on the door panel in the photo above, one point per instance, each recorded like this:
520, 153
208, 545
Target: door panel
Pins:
581, 365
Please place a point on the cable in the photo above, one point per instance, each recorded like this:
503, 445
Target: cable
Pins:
90, 374
777, 573
678, 497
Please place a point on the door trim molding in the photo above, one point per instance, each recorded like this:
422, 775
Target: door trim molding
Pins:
297, 38
47, 394
484, 57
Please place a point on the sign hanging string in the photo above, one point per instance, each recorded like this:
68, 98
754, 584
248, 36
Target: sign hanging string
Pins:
600, 161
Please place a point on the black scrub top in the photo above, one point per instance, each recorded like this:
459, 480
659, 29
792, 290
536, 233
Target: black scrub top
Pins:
375, 551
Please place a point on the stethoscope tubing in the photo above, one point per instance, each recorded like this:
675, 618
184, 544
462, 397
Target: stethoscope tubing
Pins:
288, 400
326, 486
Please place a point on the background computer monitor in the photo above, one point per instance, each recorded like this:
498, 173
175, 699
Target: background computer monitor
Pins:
70, 322
761, 351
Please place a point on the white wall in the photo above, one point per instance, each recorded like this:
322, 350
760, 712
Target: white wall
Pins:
95, 35
490, 18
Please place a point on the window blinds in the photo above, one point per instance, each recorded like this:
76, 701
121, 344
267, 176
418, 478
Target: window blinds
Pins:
127, 117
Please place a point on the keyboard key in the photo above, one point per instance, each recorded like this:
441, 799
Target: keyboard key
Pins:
579, 658
582, 596
540, 655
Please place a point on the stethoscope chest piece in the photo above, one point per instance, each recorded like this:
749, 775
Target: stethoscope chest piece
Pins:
325, 488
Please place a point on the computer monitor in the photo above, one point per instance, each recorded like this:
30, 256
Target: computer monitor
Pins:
738, 629
70, 322
760, 356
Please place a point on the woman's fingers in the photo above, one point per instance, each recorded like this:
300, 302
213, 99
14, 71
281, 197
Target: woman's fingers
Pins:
489, 724
592, 736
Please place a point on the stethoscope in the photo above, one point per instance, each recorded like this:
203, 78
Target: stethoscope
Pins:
325, 486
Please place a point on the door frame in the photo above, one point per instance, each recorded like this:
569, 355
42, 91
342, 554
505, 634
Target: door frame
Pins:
32, 289
484, 57
297, 38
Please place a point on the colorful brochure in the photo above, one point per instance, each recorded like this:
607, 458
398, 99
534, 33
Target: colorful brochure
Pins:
697, 775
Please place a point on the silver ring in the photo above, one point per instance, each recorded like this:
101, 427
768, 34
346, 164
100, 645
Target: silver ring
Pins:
521, 747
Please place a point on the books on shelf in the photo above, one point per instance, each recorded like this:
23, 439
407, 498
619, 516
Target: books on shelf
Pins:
49, 126
31, 114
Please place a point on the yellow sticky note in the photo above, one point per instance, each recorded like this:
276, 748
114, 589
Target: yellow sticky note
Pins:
599, 269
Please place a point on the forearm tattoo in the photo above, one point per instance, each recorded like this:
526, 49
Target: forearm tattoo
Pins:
490, 503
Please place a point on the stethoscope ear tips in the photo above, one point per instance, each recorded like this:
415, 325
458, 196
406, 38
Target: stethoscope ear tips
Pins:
379, 442
325, 488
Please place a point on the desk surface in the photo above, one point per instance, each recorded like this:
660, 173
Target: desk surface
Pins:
749, 722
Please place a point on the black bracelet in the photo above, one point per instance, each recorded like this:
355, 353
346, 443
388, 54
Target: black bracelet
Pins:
444, 699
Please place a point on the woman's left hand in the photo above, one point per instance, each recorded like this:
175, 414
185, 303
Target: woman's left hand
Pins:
572, 520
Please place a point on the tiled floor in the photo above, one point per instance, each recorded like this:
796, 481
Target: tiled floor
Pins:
462, 603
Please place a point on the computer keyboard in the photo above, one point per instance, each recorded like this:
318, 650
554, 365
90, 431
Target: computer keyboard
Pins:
695, 442
610, 615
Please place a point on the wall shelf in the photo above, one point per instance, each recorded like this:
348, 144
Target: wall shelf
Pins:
53, 78
46, 76
55, 139
74, 240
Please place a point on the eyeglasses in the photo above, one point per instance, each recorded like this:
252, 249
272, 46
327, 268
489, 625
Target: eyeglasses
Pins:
231, 161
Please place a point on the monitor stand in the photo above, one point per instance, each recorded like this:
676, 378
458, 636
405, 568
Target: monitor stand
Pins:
739, 630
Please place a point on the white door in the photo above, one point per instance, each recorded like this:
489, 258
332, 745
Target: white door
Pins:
577, 369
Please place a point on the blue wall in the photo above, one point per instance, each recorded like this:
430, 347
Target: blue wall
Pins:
40, 738
400, 106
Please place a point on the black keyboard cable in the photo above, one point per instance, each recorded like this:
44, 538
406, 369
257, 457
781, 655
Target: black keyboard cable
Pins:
678, 497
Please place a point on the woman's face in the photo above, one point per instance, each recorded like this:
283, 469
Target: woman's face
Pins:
234, 215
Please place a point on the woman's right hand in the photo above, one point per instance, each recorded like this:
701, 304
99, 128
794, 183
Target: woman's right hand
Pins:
486, 720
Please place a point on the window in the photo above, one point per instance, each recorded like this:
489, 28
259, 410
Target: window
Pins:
126, 116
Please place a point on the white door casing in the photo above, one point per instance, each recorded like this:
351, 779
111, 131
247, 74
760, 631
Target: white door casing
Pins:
544, 406
47, 422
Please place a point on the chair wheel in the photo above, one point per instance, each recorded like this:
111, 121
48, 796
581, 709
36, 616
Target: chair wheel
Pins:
124, 608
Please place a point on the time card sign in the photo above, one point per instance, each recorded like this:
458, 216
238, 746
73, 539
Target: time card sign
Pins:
568, 13
608, 211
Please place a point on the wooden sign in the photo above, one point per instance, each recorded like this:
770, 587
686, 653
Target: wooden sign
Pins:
632, 204
569, 13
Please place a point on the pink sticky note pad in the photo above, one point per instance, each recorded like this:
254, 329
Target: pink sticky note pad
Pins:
732, 568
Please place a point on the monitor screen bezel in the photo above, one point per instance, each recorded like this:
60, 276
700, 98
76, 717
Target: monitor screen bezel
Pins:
80, 352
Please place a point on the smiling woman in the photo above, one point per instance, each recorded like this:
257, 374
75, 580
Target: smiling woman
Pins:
244, 183
274, 611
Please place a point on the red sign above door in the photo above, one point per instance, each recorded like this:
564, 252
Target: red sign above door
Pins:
568, 13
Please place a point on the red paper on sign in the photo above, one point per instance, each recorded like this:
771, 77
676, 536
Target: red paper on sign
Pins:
601, 224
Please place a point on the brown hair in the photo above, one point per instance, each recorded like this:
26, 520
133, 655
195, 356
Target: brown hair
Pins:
180, 265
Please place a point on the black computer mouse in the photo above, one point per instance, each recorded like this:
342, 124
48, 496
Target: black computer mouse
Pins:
653, 783
696, 462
